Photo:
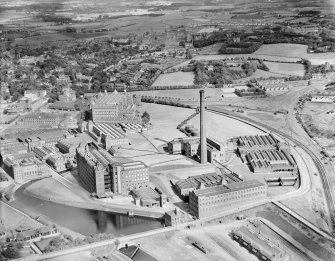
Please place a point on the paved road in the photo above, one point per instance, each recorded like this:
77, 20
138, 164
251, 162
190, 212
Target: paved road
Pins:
325, 176
304, 188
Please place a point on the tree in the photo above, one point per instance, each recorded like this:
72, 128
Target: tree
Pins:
56, 242
145, 118
11, 252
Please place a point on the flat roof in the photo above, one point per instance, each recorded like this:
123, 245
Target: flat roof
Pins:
146, 193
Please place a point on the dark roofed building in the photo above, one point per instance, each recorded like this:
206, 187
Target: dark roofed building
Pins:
260, 245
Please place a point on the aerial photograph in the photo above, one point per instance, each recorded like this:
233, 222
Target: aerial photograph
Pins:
167, 130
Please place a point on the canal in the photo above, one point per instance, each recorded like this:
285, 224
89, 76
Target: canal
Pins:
84, 221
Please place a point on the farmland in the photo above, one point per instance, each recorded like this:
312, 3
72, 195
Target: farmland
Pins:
255, 56
295, 51
285, 50
42, 38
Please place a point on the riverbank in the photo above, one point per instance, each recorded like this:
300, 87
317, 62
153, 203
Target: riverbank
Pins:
93, 204
25, 216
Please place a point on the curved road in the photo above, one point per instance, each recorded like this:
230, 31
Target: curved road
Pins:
321, 169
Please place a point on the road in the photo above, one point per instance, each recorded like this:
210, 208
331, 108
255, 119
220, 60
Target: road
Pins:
301, 156
325, 176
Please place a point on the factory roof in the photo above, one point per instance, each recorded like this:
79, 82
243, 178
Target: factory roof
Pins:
41, 116
208, 180
146, 193
257, 140
109, 99
222, 189
263, 246
109, 129
133, 165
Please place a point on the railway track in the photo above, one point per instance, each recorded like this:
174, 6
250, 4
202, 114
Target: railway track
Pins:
323, 172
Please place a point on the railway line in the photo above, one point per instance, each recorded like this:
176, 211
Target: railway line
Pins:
321, 169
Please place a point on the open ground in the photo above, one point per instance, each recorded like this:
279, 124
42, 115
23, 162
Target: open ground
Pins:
176, 78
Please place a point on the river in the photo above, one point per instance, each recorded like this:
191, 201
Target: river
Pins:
84, 221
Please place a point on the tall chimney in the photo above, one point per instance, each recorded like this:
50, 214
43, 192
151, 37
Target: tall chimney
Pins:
203, 141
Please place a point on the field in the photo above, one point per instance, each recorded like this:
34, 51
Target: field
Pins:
187, 94
320, 124
291, 69
148, 146
11, 218
221, 128
176, 78
295, 51
285, 50
289, 53
42, 38
258, 74
268, 57
41, 189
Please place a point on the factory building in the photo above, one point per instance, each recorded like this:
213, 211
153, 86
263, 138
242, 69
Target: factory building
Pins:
257, 142
213, 200
26, 167
260, 245
102, 175
176, 217
107, 134
65, 146
177, 146
265, 155
32, 100
40, 119
115, 108
190, 146
129, 176
148, 197
185, 186
270, 161
10, 147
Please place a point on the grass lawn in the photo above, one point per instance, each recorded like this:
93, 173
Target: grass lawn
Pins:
176, 78
292, 69
286, 50
34, 40
221, 128
41, 189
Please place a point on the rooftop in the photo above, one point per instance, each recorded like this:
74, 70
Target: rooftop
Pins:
263, 246
221, 189
146, 193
